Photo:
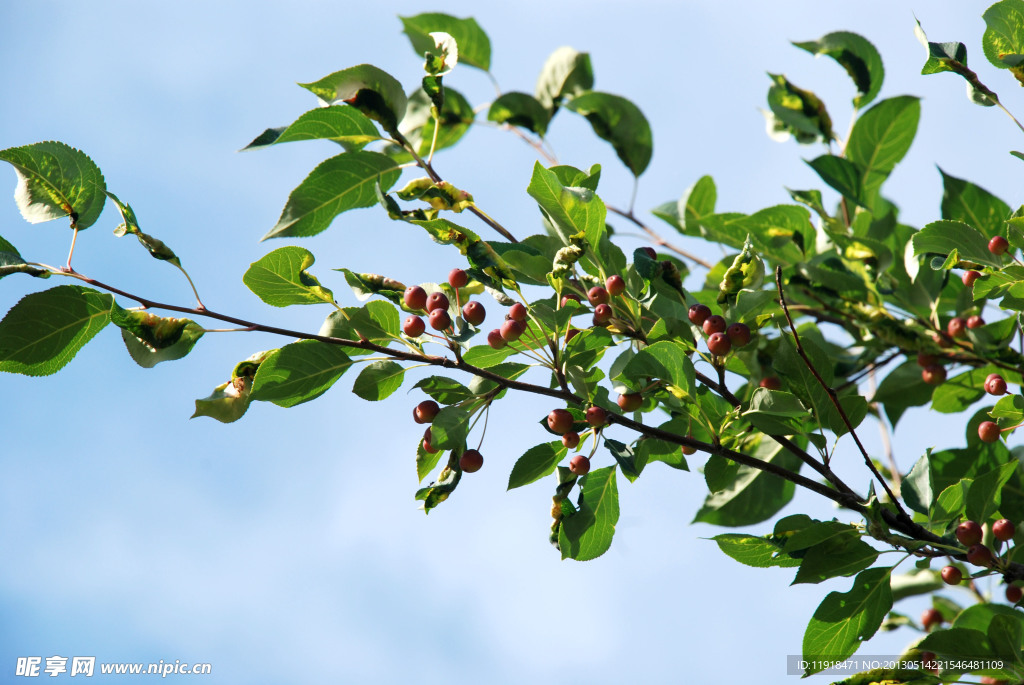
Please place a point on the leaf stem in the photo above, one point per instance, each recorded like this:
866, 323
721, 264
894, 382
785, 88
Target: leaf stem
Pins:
657, 239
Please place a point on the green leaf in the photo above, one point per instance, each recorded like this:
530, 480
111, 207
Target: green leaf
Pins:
450, 428
973, 205
842, 556
157, 248
365, 285
697, 202
345, 125
537, 462
901, 389
474, 45
855, 54
985, 495
754, 495
958, 642
799, 111
337, 185
280, 278
418, 125
299, 372
942, 237
445, 390
378, 380
950, 503
587, 534
1003, 41
44, 331
520, 109
917, 486
372, 91
11, 262
571, 210
621, 123
881, 138
229, 401
425, 461
485, 356
843, 175
959, 392
152, 339
667, 361
56, 180
776, 412
566, 73
759, 552
844, 619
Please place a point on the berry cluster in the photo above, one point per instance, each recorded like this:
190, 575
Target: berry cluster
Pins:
425, 412
970, 534
722, 336
436, 306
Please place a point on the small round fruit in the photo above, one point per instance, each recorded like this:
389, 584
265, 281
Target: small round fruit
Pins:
426, 442
631, 401
739, 334
425, 411
699, 313
597, 295
615, 285
718, 344
495, 340
597, 417
715, 324
518, 312
975, 321
1004, 530
951, 575
970, 277
924, 359
414, 326
569, 296
649, 251
995, 385
571, 333
929, 663
957, 327
471, 461
440, 320
771, 383
979, 555
931, 617
602, 314
968, 533
988, 431
934, 374
437, 300
687, 449
457, 278
415, 297
998, 245
474, 313
511, 330
560, 421
579, 465
571, 439
1014, 594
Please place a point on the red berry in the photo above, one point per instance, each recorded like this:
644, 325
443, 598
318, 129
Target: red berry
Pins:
979, 555
602, 314
569, 296
1004, 530
968, 533
715, 324
437, 300
934, 374
560, 421
739, 334
615, 285
975, 321
425, 411
956, 327
471, 461
970, 277
579, 465
571, 439
995, 385
1014, 594
426, 442
998, 245
457, 278
495, 340
688, 450
988, 431
951, 575
930, 618
571, 333
518, 312
924, 359
699, 313
649, 251
597, 417
474, 313
597, 295
512, 329
771, 382
415, 297
718, 344
414, 326
631, 401
439, 320
929, 663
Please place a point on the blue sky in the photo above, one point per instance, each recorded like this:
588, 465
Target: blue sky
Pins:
287, 547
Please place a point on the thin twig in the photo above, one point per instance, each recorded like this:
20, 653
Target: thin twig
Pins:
658, 240
834, 397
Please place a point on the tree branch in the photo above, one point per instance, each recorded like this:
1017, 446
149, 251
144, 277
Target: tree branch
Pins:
658, 240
